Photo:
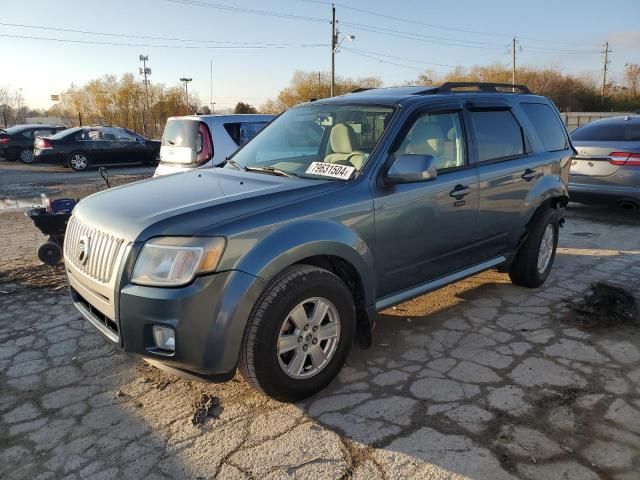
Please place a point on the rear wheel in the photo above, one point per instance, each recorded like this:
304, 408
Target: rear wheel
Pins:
534, 260
78, 161
26, 155
299, 333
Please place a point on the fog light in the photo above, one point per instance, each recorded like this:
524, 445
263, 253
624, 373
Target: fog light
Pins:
165, 338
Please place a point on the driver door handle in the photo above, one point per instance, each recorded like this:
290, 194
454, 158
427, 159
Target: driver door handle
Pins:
459, 191
529, 174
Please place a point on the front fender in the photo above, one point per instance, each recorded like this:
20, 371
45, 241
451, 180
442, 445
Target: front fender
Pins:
294, 242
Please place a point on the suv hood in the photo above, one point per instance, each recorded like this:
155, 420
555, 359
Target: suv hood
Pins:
187, 203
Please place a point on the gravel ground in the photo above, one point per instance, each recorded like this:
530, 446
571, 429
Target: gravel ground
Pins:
482, 379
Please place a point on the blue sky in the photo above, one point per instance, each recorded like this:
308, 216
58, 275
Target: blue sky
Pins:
566, 34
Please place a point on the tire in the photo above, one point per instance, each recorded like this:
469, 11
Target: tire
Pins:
50, 253
26, 156
299, 289
76, 162
534, 260
154, 160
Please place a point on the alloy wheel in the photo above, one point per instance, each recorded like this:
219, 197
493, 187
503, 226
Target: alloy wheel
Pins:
546, 248
308, 338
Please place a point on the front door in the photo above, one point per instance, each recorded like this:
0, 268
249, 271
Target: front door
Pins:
426, 230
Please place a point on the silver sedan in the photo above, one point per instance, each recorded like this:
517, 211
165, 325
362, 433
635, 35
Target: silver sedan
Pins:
606, 168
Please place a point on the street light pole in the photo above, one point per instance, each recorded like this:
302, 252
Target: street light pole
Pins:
145, 71
186, 90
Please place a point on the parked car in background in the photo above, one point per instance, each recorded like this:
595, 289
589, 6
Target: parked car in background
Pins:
205, 140
81, 147
606, 168
16, 143
338, 209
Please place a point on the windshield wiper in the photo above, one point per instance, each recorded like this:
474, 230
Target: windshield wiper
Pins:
272, 171
235, 164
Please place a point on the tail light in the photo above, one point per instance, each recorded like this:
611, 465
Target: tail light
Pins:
204, 145
4, 141
628, 159
43, 144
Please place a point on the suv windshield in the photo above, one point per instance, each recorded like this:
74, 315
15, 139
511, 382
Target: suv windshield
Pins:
333, 134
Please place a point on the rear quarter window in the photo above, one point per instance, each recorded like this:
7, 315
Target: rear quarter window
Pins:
498, 134
547, 124
242, 132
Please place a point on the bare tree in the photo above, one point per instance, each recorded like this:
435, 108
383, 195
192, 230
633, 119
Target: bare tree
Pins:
632, 78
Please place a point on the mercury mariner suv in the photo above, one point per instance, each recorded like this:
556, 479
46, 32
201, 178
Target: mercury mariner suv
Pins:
277, 262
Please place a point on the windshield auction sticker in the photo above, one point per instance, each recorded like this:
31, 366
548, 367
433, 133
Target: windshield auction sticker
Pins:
343, 172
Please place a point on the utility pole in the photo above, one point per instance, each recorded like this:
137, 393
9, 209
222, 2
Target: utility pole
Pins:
186, 90
334, 43
605, 57
144, 71
513, 61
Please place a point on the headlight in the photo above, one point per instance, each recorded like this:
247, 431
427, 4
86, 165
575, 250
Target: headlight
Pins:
174, 261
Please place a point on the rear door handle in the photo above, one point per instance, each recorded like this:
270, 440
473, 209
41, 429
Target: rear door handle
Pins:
529, 174
459, 191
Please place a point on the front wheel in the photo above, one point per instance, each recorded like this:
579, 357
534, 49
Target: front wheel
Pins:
25, 155
534, 260
299, 333
78, 161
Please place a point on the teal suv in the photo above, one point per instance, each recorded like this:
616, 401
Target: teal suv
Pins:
276, 262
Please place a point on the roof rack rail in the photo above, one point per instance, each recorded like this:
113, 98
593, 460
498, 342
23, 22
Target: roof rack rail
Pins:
483, 87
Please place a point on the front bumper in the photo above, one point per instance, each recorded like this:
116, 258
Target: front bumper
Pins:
209, 318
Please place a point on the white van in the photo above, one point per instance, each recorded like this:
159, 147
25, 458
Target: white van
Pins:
197, 141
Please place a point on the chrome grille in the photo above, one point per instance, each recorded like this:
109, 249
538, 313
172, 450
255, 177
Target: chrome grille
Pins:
103, 250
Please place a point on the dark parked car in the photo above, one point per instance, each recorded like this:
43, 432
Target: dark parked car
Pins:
336, 210
16, 143
81, 147
606, 168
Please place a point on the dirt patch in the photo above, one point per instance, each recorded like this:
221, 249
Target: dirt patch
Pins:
206, 406
607, 306
34, 276
556, 399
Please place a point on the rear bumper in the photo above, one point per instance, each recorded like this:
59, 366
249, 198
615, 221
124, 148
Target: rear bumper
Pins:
208, 316
596, 194
48, 156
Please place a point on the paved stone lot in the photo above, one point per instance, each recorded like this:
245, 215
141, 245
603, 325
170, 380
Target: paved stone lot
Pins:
482, 380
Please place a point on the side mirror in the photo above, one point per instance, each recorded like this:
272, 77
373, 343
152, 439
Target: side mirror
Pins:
409, 168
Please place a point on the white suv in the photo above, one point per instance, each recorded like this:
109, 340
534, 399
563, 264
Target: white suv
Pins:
196, 141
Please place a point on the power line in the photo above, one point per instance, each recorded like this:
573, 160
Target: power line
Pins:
432, 25
231, 8
143, 37
401, 58
118, 44
387, 61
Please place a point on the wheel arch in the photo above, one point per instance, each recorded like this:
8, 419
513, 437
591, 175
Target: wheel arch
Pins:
324, 244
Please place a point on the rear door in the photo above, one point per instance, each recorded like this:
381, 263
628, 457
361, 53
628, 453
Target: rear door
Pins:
426, 230
507, 171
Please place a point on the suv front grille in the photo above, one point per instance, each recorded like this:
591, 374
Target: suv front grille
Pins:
91, 251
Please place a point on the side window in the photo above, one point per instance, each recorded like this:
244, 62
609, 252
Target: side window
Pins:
498, 134
248, 130
123, 135
28, 134
233, 129
41, 133
547, 124
439, 135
